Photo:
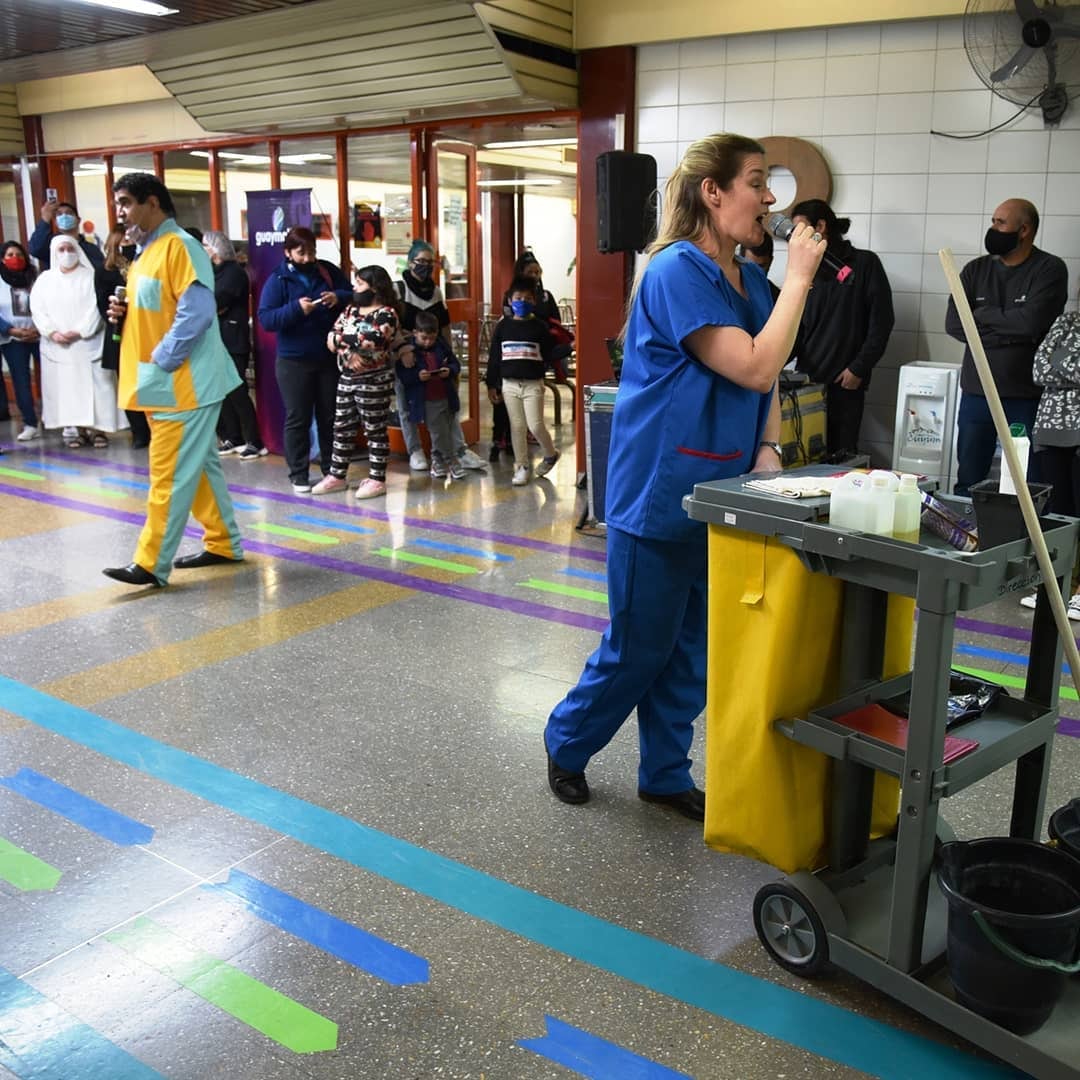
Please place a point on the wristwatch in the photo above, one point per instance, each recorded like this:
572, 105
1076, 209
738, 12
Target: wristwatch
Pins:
773, 446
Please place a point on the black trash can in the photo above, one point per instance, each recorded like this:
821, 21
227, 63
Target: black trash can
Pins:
998, 515
1013, 905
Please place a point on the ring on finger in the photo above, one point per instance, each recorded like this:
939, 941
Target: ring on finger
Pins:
816, 238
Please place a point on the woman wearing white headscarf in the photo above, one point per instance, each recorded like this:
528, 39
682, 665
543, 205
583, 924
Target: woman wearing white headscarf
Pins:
76, 391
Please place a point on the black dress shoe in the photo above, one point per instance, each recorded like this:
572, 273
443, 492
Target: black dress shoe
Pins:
202, 558
569, 787
132, 574
689, 803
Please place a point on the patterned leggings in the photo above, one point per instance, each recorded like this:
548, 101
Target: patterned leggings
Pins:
362, 397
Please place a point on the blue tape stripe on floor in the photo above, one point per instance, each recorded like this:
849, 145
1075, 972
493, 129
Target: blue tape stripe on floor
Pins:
116, 481
251, 507
782, 1014
331, 523
79, 808
589, 575
594, 1057
460, 549
63, 469
1002, 656
38, 1039
353, 945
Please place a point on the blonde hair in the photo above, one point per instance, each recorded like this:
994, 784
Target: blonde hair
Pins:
683, 213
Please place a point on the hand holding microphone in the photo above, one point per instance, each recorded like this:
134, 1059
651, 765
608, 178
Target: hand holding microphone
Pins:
117, 310
803, 237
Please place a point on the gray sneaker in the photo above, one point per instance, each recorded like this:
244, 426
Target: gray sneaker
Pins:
548, 464
470, 460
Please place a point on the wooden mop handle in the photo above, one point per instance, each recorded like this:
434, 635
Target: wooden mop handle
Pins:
1001, 424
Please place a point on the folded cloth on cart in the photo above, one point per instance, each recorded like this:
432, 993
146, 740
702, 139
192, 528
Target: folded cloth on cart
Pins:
795, 487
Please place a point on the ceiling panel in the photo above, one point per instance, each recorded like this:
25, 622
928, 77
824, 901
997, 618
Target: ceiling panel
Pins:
43, 26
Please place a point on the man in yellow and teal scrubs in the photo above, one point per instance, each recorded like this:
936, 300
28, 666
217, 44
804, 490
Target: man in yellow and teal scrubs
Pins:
173, 367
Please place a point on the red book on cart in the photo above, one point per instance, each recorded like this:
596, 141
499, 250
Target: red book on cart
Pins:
877, 722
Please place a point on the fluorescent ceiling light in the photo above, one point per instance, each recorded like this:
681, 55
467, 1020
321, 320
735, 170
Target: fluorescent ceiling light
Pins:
134, 7
91, 167
300, 159
540, 181
524, 144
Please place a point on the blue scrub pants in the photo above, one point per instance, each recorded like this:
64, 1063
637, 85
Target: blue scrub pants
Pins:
19, 355
186, 477
652, 657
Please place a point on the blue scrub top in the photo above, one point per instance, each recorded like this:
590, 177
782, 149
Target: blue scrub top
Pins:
676, 422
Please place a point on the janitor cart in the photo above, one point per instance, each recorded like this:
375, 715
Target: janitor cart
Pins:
876, 909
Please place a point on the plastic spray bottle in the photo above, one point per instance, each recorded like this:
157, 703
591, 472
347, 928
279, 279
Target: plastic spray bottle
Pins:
1018, 434
907, 509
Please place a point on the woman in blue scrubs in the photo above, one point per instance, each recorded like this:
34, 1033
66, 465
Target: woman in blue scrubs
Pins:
704, 344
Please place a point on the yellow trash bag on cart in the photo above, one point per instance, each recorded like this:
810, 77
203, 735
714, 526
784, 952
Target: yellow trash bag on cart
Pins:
774, 653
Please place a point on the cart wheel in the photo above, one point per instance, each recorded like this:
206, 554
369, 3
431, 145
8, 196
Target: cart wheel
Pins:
790, 929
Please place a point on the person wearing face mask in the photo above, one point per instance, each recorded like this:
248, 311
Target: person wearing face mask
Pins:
76, 391
418, 292
66, 219
18, 337
300, 302
1016, 291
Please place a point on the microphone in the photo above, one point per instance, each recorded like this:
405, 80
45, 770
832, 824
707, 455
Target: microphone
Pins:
120, 294
782, 227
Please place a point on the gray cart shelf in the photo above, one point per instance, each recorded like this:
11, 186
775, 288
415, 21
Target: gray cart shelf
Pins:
876, 909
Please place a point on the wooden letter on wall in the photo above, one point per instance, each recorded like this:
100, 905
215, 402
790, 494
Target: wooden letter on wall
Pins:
813, 180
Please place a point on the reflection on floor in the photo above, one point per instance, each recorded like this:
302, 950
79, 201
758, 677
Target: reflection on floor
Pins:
290, 819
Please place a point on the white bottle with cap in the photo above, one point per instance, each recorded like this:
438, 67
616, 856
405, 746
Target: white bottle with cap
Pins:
907, 509
1022, 445
880, 501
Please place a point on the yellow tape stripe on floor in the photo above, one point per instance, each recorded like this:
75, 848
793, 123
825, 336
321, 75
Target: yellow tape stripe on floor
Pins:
86, 688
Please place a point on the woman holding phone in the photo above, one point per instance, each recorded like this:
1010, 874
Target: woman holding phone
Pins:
300, 302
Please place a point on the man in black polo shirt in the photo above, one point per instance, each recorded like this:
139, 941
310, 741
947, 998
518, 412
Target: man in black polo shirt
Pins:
1015, 292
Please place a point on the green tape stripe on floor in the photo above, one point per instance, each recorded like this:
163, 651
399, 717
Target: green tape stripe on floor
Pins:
93, 489
19, 474
25, 871
1012, 681
296, 534
425, 560
565, 590
254, 1003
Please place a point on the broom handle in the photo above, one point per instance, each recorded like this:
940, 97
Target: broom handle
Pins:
1027, 507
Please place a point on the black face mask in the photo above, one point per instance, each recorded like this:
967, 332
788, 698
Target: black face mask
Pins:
364, 298
1001, 243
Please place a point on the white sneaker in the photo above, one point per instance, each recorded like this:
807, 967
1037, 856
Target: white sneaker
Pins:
301, 489
1072, 609
28, 433
521, 476
418, 461
1029, 600
470, 460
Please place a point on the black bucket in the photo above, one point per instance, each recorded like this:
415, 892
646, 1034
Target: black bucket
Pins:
999, 516
1014, 923
1064, 828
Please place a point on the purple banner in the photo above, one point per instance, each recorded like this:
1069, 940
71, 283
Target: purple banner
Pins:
270, 215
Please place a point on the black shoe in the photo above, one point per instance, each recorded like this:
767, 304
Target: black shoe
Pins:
689, 803
132, 574
493, 453
202, 558
569, 787
139, 444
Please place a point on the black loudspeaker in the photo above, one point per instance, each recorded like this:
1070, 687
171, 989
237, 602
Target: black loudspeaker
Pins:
625, 200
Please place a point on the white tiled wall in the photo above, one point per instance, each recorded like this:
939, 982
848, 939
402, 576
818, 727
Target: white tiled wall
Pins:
869, 96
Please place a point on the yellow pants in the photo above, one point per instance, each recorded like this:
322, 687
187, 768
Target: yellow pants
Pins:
774, 649
186, 477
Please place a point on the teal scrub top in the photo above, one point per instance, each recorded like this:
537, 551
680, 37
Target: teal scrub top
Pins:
676, 422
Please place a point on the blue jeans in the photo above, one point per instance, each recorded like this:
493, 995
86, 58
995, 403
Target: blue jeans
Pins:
977, 436
651, 657
18, 355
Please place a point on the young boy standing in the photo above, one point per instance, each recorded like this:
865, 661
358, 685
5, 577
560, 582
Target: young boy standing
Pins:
431, 395
520, 349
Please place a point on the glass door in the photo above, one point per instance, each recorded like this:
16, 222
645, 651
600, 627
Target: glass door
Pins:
453, 229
